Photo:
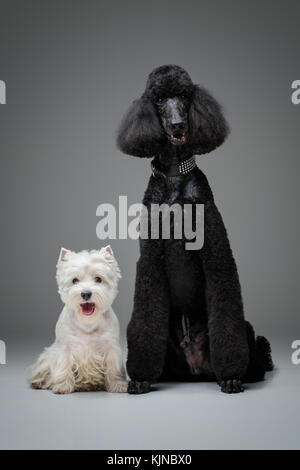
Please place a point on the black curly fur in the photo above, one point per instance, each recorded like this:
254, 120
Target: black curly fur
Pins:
140, 133
171, 281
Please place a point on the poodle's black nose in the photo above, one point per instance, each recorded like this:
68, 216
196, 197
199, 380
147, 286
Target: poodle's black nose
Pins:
178, 126
86, 294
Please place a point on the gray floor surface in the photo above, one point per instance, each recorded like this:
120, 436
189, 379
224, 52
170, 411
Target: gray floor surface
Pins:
174, 416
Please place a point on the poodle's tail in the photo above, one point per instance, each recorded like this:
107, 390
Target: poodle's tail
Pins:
260, 360
264, 353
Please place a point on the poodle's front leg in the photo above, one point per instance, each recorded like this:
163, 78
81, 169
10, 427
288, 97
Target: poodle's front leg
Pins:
227, 329
63, 379
148, 328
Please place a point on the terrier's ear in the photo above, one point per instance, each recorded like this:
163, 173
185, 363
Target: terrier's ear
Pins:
107, 250
63, 255
108, 255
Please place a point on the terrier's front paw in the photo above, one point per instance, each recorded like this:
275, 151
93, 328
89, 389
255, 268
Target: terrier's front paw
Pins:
63, 389
117, 387
40, 381
231, 386
136, 388
36, 385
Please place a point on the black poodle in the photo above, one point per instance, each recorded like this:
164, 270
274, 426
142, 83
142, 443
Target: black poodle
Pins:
188, 321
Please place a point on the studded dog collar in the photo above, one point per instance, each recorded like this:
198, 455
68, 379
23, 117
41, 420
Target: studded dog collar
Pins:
178, 169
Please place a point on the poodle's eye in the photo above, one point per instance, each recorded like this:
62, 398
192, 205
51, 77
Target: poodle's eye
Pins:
75, 280
159, 100
98, 279
183, 97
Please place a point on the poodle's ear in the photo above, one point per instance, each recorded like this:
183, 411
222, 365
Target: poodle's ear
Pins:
207, 123
140, 133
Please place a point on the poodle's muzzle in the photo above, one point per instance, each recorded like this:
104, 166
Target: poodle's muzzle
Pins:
173, 113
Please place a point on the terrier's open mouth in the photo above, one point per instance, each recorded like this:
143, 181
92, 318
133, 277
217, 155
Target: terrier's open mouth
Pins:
177, 137
87, 308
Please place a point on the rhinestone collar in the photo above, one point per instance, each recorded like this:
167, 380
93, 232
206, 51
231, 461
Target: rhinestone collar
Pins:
179, 169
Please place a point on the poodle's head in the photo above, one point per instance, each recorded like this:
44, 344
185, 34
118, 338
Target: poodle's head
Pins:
172, 112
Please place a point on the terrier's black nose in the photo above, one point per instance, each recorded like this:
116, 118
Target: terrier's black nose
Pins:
86, 294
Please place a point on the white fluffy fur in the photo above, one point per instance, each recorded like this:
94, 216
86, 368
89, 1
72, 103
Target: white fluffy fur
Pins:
86, 354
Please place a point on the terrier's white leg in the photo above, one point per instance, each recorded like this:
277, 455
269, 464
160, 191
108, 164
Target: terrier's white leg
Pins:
62, 374
114, 376
41, 371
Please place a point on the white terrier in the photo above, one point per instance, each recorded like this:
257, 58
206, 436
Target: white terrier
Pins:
86, 354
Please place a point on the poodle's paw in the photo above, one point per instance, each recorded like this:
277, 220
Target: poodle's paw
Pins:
136, 388
231, 386
117, 387
61, 389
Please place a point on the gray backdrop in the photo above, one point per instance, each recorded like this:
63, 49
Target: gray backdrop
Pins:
72, 68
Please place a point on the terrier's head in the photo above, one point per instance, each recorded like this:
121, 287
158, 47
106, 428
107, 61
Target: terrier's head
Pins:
88, 281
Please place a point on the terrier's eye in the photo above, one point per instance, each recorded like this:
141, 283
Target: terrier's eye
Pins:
159, 100
98, 279
75, 280
183, 97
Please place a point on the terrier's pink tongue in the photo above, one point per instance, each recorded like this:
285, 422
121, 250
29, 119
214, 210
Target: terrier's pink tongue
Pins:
87, 308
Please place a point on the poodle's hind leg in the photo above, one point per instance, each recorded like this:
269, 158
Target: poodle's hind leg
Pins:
41, 371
